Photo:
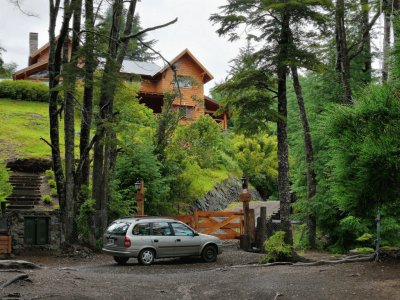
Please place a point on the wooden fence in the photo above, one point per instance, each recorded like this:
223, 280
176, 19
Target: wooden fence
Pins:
226, 225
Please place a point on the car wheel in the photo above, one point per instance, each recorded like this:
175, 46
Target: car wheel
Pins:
121, 260
146, 257
209, 254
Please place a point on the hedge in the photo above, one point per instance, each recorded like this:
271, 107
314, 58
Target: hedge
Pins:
24, 90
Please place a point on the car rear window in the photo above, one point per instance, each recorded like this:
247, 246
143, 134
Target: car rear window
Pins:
118, 228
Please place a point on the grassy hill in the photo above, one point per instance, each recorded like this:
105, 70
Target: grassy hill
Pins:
22, 124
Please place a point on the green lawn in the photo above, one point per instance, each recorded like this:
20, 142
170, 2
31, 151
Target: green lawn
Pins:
22, 124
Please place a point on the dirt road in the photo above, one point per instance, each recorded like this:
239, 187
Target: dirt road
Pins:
100, 278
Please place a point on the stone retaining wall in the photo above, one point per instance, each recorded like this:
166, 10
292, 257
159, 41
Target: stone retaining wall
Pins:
16, 221
224, 193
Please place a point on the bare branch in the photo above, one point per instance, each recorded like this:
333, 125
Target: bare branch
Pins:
361, 44
138, 34
97, 11
44, 140
85, 154
18, 4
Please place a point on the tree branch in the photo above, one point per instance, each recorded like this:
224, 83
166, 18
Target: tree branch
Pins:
16, 278
85, 154
27, 13
136, 35
44, 140
361, 43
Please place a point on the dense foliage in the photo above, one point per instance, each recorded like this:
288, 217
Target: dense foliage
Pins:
198, 157
24, 90
276, 249
363, 166
257, 157
5, 186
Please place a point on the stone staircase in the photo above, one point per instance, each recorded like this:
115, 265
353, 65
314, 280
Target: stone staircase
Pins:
26, 190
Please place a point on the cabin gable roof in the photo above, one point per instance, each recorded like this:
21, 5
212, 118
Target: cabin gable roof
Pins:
206, 73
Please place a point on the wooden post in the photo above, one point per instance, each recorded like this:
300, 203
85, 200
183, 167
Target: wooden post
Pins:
261, 227
140, 200
196, 220
252, 227
245, 239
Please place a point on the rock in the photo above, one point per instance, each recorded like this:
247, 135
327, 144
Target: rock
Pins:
223, 193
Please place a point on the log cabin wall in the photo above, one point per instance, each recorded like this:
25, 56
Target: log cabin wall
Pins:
153, 86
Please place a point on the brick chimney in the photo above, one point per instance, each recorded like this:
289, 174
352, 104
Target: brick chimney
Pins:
33, 42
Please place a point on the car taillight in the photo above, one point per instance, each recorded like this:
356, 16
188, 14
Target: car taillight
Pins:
127, 242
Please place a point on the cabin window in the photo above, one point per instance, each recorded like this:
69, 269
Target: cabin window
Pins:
183, 81
187, 112
36, 231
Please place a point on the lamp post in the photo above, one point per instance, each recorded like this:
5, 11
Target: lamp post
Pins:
139, 197
245, 197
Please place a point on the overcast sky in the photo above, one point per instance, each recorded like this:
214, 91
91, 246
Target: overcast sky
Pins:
192, 31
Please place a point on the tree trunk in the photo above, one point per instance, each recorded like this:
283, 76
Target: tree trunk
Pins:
366, 54
283, 151
101, 147
308, 149
343, 57
82, 176
386, 45
69, 126
54, 68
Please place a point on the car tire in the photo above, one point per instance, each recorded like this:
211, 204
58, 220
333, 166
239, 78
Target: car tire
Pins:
121, 260
209, 254
146, 257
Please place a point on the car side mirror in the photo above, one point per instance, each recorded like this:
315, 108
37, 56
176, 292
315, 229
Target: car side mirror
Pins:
195, 234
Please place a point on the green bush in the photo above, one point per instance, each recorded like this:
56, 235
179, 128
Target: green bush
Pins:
51, 182
83, 220
24, 90
47, 199
49, 174
5, 186
53, 192
364, 250
276, 249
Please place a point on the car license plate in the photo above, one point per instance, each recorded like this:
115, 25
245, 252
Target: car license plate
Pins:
110, 241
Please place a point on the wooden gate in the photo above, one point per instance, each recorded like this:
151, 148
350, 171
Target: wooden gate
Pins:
226, 225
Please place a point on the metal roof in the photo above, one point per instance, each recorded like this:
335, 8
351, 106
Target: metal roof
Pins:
139, 67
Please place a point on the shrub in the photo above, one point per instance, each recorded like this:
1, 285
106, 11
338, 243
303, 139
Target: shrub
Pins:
49, 174
364, 250
24, 90
47, 199
276, 249
83, 220
53, 192
5, 186
51, 182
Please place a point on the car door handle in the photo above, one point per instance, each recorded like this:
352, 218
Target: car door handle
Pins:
155, 241
178, 240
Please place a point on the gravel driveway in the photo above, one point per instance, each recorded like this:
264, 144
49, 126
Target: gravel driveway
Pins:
99, 277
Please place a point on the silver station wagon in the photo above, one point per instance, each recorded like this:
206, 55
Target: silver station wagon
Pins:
149, 238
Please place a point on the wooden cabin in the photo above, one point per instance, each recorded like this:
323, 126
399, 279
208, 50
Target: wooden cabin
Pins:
155, 82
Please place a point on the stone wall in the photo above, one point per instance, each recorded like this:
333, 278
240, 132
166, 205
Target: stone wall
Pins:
224, 193
16, 223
